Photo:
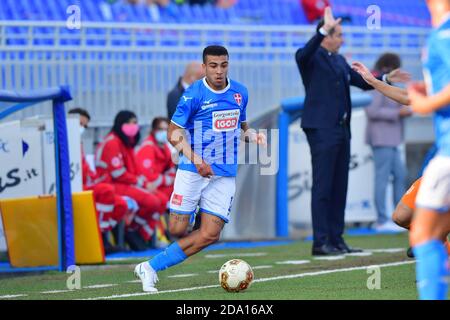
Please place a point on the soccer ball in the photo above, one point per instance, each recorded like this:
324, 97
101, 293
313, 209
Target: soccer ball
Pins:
235, 275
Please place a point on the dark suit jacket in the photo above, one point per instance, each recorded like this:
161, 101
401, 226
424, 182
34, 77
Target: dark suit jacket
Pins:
327, 79
173, 98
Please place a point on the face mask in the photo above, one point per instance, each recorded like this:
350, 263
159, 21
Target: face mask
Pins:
130, 129
161, 136
82, 129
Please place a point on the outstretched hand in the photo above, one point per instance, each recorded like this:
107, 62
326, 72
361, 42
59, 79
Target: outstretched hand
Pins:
329, 21
398, 75
363, 71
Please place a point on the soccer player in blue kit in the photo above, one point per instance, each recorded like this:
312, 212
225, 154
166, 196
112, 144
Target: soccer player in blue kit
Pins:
431, 219
432, 216
206, 128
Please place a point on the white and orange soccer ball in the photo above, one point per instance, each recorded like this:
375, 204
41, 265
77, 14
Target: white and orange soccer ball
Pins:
235, 275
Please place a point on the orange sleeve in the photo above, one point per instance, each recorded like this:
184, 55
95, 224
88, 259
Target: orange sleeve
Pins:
409, 198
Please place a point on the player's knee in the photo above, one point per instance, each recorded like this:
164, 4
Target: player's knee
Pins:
207, 237
403, 215
177, 229
400, 220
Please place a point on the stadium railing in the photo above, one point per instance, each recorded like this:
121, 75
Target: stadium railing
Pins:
112, 66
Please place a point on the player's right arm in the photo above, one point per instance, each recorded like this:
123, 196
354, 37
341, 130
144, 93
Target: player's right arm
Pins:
186, 108
178, 139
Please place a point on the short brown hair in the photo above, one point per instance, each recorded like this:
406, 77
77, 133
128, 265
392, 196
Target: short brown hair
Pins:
158, 120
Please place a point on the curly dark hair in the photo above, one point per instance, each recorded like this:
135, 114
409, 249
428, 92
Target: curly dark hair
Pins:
388, 62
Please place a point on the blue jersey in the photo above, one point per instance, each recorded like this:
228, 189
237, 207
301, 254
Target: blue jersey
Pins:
212, 121
436, 62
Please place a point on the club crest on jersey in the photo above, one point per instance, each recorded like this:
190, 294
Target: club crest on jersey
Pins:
238, 98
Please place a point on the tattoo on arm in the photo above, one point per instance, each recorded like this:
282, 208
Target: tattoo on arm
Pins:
180, 217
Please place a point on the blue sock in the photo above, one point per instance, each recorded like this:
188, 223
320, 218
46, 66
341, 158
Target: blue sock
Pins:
431, 270
171, 256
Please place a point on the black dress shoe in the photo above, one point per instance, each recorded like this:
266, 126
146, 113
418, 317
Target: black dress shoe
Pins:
325, 250
344, 248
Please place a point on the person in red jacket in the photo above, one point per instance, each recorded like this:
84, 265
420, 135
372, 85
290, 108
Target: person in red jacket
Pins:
314, 9
115, 163
111, 208
154, 159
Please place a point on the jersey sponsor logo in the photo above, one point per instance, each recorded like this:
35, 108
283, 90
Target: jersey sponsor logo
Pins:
208, 104
186, 98
238, 98
226, 120
177, 199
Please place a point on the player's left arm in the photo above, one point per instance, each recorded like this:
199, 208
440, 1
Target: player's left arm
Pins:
250, 135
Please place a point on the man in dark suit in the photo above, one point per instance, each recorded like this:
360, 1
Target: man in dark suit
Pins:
193, 72
326, 121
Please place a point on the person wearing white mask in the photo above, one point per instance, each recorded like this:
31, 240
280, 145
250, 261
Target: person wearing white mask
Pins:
154, 161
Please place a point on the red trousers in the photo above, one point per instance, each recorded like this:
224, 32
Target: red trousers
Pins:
151, 205
111, 207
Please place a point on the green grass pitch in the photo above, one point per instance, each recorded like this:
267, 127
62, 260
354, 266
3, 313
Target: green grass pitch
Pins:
197, 277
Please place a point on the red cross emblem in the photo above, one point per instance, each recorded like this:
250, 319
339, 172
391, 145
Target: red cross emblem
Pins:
238, 98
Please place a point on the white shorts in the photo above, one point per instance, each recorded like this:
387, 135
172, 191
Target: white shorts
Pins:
214, 195
434, 192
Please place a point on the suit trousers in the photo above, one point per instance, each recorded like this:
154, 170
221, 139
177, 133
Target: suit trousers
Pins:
330, 156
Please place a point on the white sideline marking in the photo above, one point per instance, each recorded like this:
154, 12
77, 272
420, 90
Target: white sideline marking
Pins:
339, 257
388, 250
318, 273
250, 254
10, 296
97, 286
185, 275
292, 276
359, 254
134, 281
56, 291
261, 267
293, 262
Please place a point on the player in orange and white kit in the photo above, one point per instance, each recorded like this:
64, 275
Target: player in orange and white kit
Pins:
404, 212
